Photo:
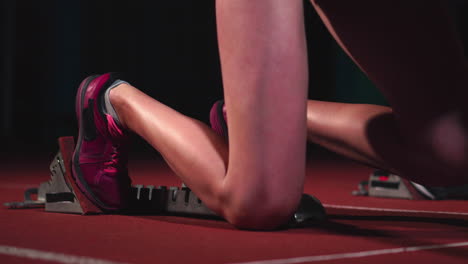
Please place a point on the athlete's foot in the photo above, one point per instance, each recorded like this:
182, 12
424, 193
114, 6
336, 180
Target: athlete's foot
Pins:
218, 118
100, 157
118, 97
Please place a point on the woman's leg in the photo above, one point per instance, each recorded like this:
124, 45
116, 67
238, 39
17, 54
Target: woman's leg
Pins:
264, 65
344, 129
410, 50
258, 182
191, 149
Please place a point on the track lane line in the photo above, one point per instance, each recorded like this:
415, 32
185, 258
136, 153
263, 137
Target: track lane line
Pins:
358, 254
374, 209
51, 256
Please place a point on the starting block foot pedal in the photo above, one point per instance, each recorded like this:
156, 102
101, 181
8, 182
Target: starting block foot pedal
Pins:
63, 194
59, 194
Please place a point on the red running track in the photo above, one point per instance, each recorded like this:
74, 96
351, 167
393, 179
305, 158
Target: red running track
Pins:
358, 230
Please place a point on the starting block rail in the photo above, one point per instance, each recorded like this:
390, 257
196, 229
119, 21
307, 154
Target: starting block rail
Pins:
61, 195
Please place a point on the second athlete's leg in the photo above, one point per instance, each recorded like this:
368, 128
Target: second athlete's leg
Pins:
346, 129
410, 50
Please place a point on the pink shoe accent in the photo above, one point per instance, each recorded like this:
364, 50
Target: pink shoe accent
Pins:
114, 129
218, 119
99, 161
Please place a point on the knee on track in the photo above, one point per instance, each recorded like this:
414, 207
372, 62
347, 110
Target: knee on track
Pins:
260, 210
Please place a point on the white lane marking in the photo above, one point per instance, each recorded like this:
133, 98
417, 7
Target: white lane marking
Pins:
392, 210
358, 254
51, 256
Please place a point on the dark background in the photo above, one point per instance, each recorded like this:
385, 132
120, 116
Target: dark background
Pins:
168, 49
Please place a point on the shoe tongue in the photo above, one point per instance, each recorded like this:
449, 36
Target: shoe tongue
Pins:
114, 129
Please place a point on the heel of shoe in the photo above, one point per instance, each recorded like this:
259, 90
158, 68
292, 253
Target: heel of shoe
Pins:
67, 146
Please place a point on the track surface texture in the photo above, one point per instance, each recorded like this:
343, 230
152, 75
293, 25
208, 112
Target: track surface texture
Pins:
359, 229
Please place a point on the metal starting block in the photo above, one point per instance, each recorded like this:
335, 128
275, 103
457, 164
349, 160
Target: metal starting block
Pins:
61, 194
163, 200
387, 185
384, 184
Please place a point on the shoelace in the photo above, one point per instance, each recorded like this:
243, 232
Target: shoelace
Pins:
115, 132
114, 159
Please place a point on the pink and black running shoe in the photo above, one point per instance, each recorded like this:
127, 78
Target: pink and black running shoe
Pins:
99, 163
218, 119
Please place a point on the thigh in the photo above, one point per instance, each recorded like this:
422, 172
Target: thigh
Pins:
264, 67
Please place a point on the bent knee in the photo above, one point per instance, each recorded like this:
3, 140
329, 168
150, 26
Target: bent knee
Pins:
443, 145
448, 136
261, 212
